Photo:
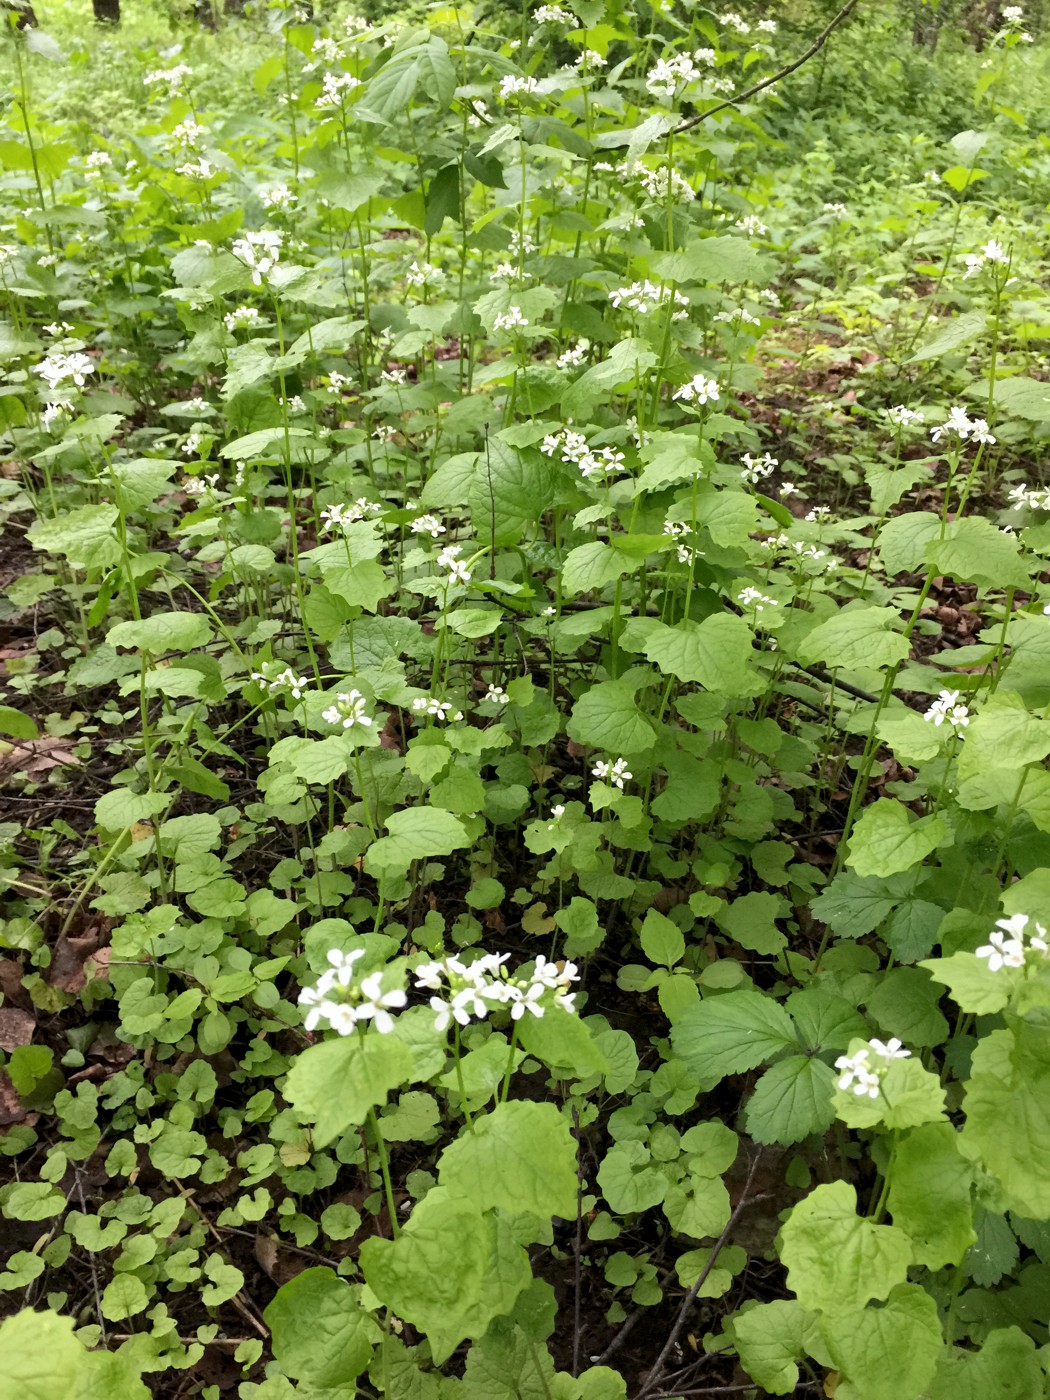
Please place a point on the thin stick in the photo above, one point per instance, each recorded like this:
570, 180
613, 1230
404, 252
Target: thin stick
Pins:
577, 1337
658, 1366
814, 48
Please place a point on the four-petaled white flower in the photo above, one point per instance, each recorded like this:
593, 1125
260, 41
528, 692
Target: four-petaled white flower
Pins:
427, 525
699, 389
284, 680
57, 368
752, 598
497, 695
348, 710
947, 710
441, 710
755, 469
616, 773
1006, 943
857, 1074
993, 252
511, 86
261, 250
510, 320
892, 1049
904, 417
449, 559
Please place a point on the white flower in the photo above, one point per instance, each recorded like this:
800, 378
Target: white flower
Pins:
956, 422
1002, 951
616, 773
752, 225
904, 417
589, 59
891, 1050
601, 461
992, 252
753, 598
667, 75
192, 445
97, 161
58, 328
575, 356
441, 710
334, 90
421, 274
663, 184
449, 559
355, 25
740, 316
393, 376
699, 389
57, 368
54, 413
767, 26
645, 297
979, 432
337, 382
513, 86
171, 78
187, 133
376, 1001
279, 197
427, 525
497, 695
839, 210
201, 485
348, 710
1013, 14
554, 14
733, 21
261, 250
287, 679
196, 169
755, 469
557, 812
857, 1074
241, 318
509, 320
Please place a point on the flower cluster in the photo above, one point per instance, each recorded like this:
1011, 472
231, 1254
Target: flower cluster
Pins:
902, 417
334, 87
734, 21
993, 252
947, 710
756, 469
740, 317
510, 320
348, 710
512, 86
1006, 943
752, 225
645, 297
575, 451
966, 428
171, 78
615, 774
663, 184
472, 990
554, 14
753, 598
279, 197
344, 1004
422, 274
441, 710
496, 694
200, 486
285, 680
261, 250
241, 318
427, 525
449, 559
574, 356
698, 390
338, 517
859, 1075
667, 75
1023, 495
838, 210
57, 368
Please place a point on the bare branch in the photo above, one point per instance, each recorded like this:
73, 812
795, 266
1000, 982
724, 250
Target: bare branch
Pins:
814, 48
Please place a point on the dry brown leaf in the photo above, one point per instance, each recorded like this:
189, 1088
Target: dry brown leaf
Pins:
16, 1028
34, 756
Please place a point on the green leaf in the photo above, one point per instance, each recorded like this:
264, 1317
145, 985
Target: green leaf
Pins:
792, 1100
930, 1194
361, 585
834, 1258
1007, 1108
86, 536
442, 200
963, 330
590, 567
662, 941
607, 717
16, 724
856, 638
885, 841
904, 1004
885, 1353
751, 921
903, 541
1027, 398
697, 1206
730, 1034
520, 1158
975, 550
449, 1273
972, 986
563, 1043
320, 1334
162, 632
629, 1181
770, 1339
1006, 1367
1003, 735
124, 1296
625, 363
334, 1084
852, 906
715, 653
415, 834
40, 1359
721, 258
909, 1096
